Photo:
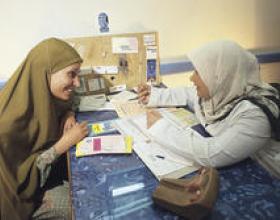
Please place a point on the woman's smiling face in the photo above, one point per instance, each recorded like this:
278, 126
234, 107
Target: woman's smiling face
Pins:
63, 82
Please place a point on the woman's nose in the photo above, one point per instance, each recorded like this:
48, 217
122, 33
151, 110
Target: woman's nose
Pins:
76, 81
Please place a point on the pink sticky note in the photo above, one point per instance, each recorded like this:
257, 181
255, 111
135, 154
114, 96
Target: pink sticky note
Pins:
97, 144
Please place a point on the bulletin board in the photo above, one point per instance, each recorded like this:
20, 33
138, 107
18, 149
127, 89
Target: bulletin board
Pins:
110, 61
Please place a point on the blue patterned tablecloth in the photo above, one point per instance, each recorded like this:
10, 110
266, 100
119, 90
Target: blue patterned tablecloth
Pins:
247, 191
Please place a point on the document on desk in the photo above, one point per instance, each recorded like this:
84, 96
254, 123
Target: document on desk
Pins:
180, 116
161, 162
123, 96
94, 103
128, 108
137, 125
109, 144
159, 158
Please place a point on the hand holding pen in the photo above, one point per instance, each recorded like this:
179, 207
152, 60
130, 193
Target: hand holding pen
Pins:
144, 92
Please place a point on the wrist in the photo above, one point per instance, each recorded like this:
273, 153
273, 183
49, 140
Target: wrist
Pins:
61, 146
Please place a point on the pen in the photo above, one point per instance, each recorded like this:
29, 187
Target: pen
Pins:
133, 99
174, 161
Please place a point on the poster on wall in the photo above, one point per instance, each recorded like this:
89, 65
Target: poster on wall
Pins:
151, 70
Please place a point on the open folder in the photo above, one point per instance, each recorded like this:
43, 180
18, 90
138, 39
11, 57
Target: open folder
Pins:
159, 158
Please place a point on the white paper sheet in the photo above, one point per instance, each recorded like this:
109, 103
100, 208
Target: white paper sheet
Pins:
106, 69
124, 45
149, 39
94, 103
123, 96
161, 162
127, 109
151, 52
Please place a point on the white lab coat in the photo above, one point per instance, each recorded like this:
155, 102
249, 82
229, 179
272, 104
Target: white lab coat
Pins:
243, 132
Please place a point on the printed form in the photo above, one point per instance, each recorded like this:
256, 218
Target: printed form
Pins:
128, 108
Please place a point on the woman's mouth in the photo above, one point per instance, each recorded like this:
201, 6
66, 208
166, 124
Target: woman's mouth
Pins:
68, 90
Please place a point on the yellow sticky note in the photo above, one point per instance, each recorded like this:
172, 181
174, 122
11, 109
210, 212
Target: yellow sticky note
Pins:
97, 128
128, 144
79, 153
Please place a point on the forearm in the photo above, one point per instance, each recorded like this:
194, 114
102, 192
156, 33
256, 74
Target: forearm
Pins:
230, 147
47, 158
70, 137
44, 163
180, 96
62, 145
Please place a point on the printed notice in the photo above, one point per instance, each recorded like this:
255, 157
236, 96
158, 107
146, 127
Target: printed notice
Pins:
124, 45
151, 52
149, 39
126, 109
105, 69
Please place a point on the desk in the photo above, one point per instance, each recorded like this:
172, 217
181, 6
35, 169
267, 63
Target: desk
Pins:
246, 190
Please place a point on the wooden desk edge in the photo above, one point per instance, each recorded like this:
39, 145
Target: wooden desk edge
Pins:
70, 184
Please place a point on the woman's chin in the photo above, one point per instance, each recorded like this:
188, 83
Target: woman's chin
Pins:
64, 97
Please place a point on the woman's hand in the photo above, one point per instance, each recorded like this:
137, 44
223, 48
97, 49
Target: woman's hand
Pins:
69, 121
152, 117
71, 137
144, 92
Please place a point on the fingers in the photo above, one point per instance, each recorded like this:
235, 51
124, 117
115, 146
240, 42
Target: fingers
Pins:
79, 128
69, 123
144, 93
84, 128
67, 127
142, 88
143, 99
84, 123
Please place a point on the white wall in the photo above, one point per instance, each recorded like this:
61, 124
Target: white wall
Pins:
182, 24
270, 72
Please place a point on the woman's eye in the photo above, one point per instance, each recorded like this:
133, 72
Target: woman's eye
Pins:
72, 74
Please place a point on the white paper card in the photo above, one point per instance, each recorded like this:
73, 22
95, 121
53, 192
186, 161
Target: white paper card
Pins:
151, 52
124, 45
149, 39
105, 69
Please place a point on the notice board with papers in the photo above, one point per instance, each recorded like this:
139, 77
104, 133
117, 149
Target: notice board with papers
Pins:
117, 61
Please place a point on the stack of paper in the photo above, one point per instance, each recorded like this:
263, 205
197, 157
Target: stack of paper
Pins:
94, 103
